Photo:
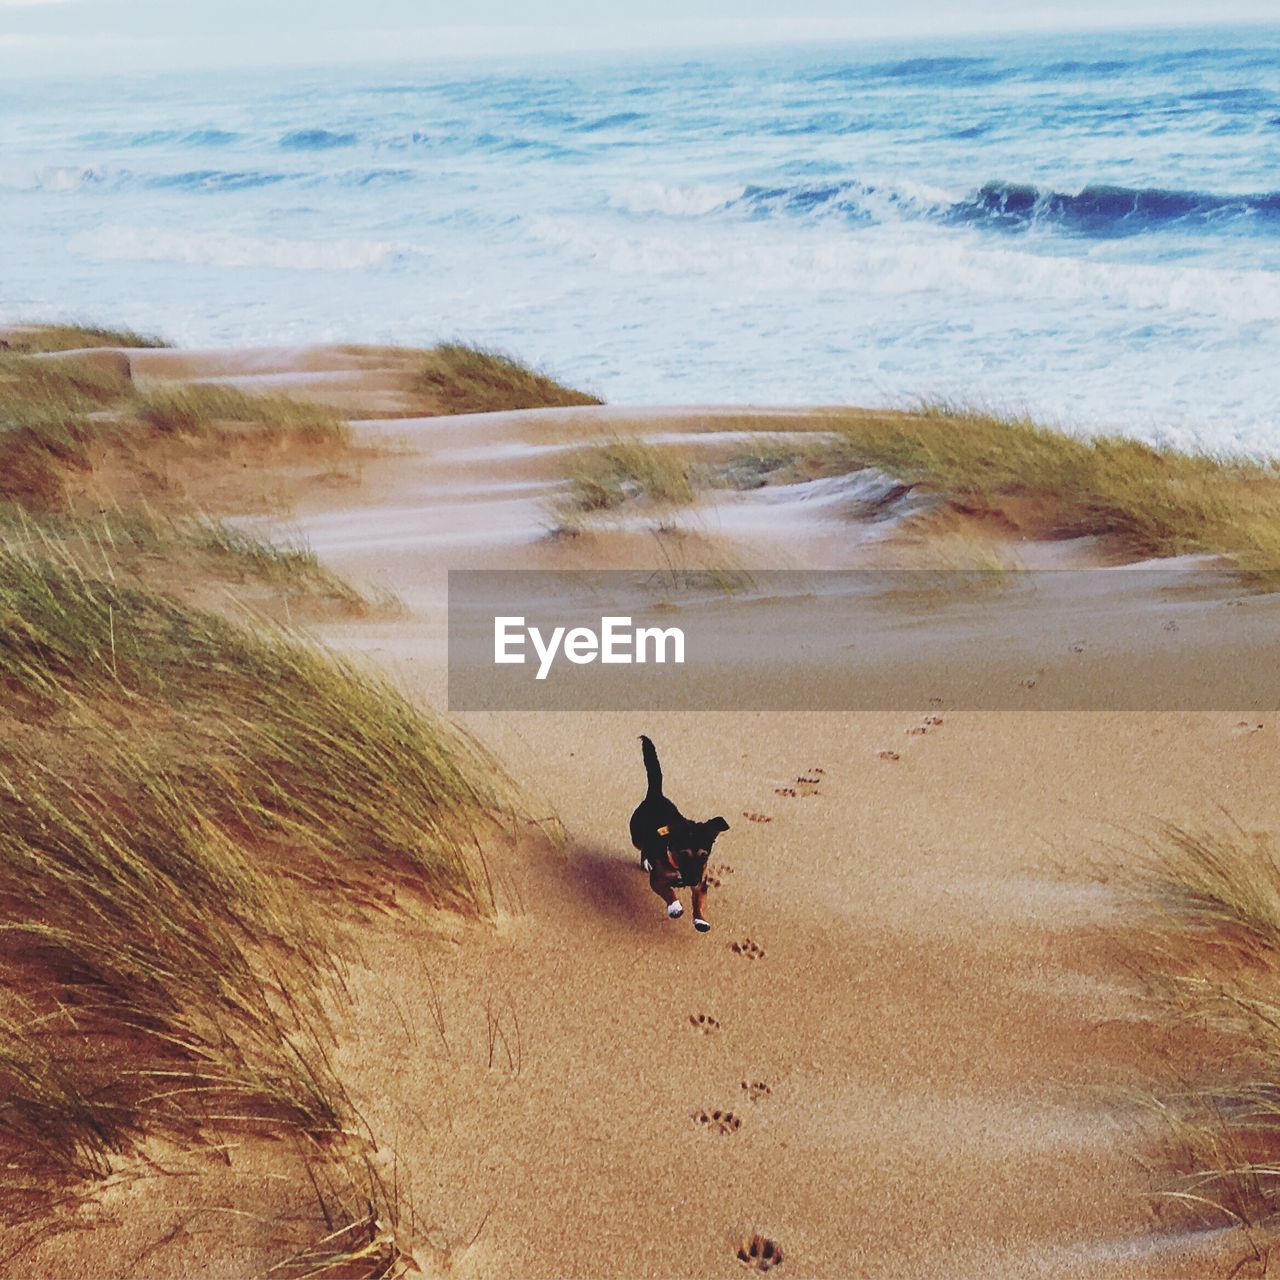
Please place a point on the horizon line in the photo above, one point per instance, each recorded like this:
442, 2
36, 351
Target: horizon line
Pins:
617, 45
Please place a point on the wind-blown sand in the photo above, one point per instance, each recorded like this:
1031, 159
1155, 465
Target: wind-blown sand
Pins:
911, 1000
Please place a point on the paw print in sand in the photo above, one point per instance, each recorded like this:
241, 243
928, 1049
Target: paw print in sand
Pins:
760, 1253
756, 1089
808, 783
704, 1023
888, 755
748, 949
805, 785
718, 1121
756, 817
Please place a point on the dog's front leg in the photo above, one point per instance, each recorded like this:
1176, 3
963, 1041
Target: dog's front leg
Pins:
663, 889
700, 921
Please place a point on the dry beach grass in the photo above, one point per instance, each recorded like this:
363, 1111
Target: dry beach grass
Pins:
184, 827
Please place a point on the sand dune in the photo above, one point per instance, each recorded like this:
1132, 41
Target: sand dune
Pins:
906, 1002
904, 1048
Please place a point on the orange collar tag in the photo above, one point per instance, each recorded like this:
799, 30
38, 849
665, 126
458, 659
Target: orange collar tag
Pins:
664, 831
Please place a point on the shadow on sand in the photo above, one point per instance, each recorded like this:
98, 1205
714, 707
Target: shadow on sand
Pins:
614, 885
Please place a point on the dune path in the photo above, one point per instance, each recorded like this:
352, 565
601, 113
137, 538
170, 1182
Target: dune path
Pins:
902, 1049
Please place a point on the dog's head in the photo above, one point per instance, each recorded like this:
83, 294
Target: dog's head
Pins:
693, 840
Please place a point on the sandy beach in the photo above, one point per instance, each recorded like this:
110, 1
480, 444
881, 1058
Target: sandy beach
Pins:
940, 1024
912, 1043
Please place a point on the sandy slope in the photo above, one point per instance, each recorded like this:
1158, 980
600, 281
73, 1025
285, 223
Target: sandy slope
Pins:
939, 1022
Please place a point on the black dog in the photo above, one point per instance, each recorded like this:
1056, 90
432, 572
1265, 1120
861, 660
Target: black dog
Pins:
673, 850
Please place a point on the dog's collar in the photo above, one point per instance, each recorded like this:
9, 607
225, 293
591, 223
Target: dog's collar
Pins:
665, 833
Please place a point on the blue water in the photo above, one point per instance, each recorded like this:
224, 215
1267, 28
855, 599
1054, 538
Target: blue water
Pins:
1084, 226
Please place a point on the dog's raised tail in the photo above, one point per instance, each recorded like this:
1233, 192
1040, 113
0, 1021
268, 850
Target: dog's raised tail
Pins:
651, 766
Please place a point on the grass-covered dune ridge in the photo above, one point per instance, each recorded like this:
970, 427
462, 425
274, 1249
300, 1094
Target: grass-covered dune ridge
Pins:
65, 408
336, 748
1144, 501
603, 477
197, 805
34, 339
1031, 480
129, 545
61, 420
1208, 946
47, 423
197, 409
58, 413
462, 378
177, 794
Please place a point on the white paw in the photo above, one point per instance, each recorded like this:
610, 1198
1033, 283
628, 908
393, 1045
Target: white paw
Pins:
700, 924
675, 911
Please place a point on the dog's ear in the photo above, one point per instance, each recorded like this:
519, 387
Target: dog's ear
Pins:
718, 825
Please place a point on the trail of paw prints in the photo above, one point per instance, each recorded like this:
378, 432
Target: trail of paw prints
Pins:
759, 1253
805, 785
927, 725
755, 1090
929, 722
704, 1023
718, 1121
748, 949
756, 817
715, 875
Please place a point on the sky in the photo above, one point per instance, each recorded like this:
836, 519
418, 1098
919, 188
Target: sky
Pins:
57, 37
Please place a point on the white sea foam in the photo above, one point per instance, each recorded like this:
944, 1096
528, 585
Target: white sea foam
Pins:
67, 177
221, 249
677, 201
901, 261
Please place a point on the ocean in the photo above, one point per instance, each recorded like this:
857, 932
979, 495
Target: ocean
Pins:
1085, 227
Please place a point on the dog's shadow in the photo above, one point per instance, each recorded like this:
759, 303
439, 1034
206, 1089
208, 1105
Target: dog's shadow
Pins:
614, 886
